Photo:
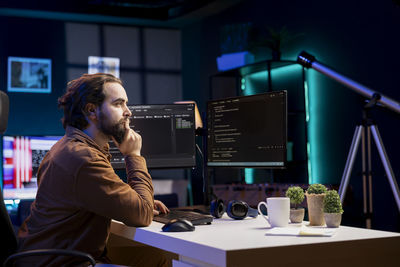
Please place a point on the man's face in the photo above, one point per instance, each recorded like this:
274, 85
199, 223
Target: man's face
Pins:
114, 113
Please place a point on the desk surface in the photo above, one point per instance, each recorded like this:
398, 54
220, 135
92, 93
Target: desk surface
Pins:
228, 241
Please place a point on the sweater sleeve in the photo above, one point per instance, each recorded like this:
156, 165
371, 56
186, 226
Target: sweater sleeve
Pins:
100, 190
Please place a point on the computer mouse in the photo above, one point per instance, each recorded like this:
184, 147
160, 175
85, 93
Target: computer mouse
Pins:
178, 225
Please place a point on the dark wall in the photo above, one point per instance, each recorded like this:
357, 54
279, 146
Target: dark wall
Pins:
33, 113
358, 39
150, 67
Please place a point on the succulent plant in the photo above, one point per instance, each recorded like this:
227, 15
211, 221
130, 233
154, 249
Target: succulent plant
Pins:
332, 203
296, 195
316, 189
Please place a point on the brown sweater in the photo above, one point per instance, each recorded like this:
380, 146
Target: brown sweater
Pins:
78, 195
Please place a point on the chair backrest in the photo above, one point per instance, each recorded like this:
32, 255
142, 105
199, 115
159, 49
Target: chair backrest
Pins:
4, 107
8, 239
23, 211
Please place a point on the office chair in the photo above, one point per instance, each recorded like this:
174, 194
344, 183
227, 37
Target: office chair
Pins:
9, 243
8, 237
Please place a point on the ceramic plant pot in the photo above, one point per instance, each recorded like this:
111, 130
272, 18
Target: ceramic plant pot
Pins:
315, 204
297, 215
333, 219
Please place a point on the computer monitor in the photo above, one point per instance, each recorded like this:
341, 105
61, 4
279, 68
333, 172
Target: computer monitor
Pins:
248, 131
22, 156
168, 135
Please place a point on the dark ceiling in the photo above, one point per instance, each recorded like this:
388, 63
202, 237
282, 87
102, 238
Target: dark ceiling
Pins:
161, 10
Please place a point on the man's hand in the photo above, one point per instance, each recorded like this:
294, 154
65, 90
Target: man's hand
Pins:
159, 207
132, 142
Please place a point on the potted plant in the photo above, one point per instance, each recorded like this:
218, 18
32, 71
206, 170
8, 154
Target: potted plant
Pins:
296, 195
315, 202
332, 209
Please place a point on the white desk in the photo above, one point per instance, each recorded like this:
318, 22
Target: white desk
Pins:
228, 242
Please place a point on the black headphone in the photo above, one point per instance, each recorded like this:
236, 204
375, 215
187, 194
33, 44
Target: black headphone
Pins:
217, 208
237, 209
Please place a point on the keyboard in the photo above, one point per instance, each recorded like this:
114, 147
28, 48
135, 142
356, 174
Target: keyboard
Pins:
195, 217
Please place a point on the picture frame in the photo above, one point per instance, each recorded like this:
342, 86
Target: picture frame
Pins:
29, 75
103, 65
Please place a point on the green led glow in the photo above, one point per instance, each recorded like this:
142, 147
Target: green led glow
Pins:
261, 75
255, 83
314, 121
252, 80
250, 84
249, 175
310, 176
314, 99
285, 70
306, 101
243, 81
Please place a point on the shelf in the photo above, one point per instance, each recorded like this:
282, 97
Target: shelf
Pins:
256, 67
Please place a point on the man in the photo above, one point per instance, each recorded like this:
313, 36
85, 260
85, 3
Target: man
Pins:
78, 190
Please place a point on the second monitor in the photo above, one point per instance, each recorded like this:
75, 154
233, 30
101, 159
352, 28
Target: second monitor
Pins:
168, 135
248, 131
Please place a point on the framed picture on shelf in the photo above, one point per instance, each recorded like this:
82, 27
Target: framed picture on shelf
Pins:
104, 65
29, 75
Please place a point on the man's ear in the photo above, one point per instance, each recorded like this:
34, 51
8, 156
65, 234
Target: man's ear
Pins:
90, 111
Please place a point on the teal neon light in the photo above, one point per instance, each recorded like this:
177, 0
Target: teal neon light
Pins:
250, 85
307, 106
284, 71
251, 81
309, 165
314, 121
248, 172
261, 75
313, 118
306, 101
248, 82
249, 175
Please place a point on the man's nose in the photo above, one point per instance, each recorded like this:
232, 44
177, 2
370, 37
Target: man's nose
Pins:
127, 112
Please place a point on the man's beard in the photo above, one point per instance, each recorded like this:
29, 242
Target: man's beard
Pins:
117, 130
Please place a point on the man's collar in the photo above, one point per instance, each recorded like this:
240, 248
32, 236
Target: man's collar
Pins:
81, 136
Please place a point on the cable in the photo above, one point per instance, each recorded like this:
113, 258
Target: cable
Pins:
202, 168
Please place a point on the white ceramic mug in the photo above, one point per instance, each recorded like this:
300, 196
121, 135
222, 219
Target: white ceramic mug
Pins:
278, 211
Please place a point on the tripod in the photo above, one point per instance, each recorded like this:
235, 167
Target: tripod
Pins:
366, 128
363, 132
